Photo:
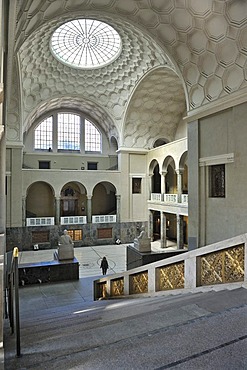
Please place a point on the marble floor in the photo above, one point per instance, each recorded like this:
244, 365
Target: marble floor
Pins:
90, 257
63, 293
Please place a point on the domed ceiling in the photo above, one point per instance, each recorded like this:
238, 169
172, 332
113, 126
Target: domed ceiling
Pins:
195, 52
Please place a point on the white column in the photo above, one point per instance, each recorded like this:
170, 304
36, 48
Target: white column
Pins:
149, 186
179, 173
118, 198
163, 182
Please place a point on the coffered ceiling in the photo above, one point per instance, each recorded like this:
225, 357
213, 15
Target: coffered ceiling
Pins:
178, 56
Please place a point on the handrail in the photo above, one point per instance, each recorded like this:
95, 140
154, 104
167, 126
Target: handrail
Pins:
188, 270
12, 287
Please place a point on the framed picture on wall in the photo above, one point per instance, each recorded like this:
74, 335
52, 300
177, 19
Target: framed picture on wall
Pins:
136, 185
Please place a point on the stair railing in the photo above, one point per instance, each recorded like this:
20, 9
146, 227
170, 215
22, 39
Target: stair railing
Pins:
12, 299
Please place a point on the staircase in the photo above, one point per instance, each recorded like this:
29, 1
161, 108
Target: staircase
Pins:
202, 329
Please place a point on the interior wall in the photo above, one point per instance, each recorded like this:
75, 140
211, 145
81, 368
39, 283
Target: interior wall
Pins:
224, 133
68, 161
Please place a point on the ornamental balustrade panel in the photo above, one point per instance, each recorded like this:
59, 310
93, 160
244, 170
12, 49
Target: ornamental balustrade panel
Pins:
40, 221
101, 290
184, 198
226, 266
139, 283
156, 197
117, 287
171, 198
170, 277
73, 220
101, 219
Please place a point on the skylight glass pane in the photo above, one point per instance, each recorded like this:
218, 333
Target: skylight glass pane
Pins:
92, 138
43, 134
86, 43
68, 131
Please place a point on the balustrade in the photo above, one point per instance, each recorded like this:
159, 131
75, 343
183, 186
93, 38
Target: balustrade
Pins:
169, 198
40, 221
103, 219
72, 220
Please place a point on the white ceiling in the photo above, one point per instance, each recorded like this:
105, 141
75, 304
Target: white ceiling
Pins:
178, 56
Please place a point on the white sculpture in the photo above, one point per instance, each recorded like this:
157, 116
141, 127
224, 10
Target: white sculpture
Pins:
143, 242
65, 249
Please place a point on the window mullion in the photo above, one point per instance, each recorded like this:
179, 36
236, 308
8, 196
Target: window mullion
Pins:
55, 136
82, 135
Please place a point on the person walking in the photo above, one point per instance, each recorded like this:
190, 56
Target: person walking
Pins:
104, 265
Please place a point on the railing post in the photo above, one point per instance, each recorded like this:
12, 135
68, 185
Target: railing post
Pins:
17, 316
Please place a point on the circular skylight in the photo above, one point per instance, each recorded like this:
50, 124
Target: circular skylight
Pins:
86, 43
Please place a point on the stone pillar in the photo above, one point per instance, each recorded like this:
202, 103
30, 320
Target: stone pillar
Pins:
162, 230
179, 173
150, 228
23, 211
194, 226
163, 182
149, 186
57, 211
15, 201
180, 236
118, 198
89, 209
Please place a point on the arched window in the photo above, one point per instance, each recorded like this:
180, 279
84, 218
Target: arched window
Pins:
44, 134
92, 138
68, 131
65, 131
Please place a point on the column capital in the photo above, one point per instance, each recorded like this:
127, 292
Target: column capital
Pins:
179, 171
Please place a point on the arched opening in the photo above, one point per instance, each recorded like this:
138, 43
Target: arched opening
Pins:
156, 180
40, 200
73, 200
104, 199
160, 142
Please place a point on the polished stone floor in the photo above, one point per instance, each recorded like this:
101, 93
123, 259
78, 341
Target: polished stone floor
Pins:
64, 293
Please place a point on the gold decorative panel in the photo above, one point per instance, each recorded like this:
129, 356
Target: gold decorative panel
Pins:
226, 266
139, 283
101, 290
117, 287
171, 276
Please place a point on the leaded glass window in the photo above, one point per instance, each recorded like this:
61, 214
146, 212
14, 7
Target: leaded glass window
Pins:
86, 43
92, 138
68, 131
217, 181
44, 134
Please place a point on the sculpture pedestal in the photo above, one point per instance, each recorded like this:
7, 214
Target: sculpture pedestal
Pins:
65, 252
143, 245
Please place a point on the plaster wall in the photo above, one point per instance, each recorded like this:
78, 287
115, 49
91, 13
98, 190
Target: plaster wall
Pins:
133, 165
181, 130
68, 161
219, 134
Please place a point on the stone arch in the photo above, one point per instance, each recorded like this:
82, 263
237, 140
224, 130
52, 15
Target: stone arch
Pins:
104, 199
169, 168
73, 199
40, 200
155, 109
